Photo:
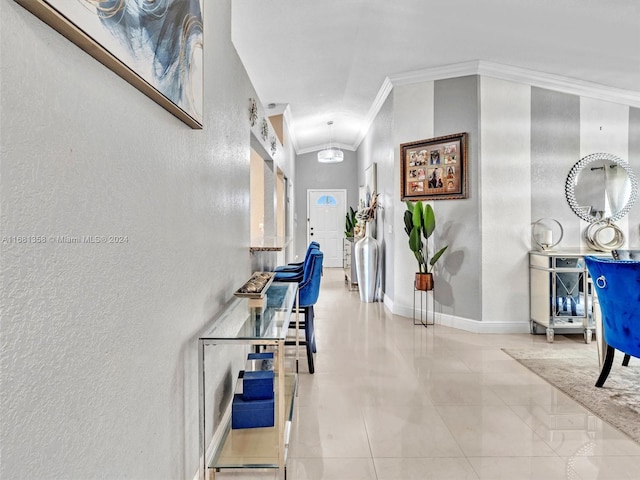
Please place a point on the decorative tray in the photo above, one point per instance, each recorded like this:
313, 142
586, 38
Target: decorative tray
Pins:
256, 286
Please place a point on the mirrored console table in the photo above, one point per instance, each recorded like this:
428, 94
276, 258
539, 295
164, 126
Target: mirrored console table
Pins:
255, 324
349, 264
560, 292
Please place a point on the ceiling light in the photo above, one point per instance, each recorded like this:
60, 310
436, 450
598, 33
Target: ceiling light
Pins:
330, 154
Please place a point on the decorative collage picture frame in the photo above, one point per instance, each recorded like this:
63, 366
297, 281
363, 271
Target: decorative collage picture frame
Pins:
434, 169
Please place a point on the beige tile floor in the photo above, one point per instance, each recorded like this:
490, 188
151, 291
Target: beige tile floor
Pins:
394, 401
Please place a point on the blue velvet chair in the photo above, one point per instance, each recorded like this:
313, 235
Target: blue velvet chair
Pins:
617, 284
626, 255
309, 290
298, 265
295, 272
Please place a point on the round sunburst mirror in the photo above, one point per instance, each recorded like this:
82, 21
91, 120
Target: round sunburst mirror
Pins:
601, 188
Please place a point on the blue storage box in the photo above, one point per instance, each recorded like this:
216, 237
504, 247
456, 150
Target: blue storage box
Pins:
260, 356
257, 385
253, 413
260, 361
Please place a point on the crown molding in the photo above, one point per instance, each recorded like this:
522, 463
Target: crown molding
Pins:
314, 148
377, 104
520, 75
503, 72
436, 73
291, 132
559, 83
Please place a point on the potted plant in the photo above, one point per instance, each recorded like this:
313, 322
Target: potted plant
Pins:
350, 223
420, 223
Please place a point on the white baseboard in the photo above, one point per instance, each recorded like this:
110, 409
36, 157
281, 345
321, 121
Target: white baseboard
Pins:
215, 440
462, 323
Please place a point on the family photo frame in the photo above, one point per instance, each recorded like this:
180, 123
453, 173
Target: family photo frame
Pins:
434, 169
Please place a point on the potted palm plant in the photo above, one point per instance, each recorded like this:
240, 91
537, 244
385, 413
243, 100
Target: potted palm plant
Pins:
420, 223
350, 223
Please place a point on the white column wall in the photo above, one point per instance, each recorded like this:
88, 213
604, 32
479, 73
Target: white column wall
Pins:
413, 120
505, 190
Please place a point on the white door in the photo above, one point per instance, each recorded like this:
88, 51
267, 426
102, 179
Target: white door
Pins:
326, 215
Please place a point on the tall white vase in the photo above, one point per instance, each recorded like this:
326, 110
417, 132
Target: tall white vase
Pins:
366, 253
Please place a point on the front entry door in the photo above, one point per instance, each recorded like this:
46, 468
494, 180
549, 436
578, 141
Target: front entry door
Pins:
326, 216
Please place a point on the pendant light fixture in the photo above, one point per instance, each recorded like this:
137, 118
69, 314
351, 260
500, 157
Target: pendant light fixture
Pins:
330, 154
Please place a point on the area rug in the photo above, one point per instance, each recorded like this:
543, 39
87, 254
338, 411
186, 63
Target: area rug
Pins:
574, 371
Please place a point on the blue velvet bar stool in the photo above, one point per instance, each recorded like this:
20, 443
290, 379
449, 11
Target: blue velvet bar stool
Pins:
302, 278
297, 273
617, 284
298, 266
309, 290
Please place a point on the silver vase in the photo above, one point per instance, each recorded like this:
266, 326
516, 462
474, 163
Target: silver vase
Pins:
366, 253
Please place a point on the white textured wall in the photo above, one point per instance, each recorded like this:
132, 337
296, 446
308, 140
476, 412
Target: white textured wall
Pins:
98, 341
412, 120
257, 196
505, 189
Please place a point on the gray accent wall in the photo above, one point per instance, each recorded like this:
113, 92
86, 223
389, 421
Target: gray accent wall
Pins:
551, 130
557, 139
555, 148
456, 110
311, 174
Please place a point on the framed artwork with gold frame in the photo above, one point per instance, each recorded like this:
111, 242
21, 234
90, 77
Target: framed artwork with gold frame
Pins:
155, 46
434, 169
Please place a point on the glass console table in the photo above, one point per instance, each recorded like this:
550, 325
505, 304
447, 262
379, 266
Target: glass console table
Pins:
256, 323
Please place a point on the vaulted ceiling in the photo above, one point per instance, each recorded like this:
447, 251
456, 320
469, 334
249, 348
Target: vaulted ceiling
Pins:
328, 60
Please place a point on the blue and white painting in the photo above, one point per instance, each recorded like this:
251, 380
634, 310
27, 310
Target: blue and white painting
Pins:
160, 40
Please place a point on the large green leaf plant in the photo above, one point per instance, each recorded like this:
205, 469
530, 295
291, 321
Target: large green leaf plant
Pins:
419, 224
350, 223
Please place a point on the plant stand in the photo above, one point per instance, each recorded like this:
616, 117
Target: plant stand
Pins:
423, 317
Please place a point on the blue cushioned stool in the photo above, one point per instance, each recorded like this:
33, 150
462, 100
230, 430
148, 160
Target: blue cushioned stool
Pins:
308, 291
296, 273
298, 266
